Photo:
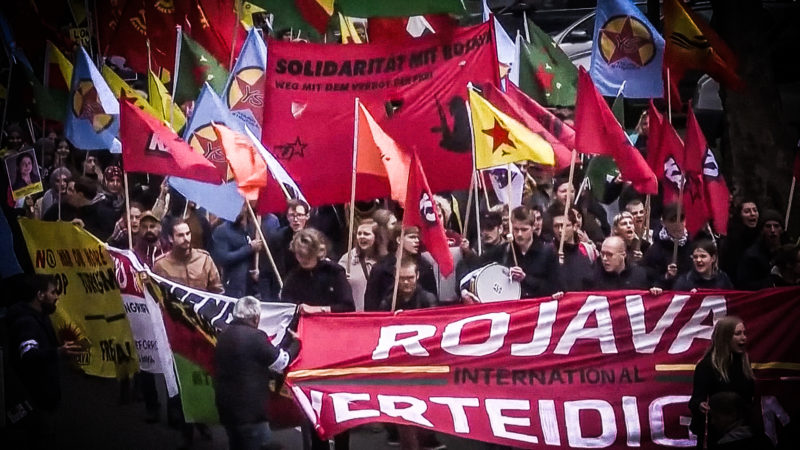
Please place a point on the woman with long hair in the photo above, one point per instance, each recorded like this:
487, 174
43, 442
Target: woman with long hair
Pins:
705, 273
386, 221
725, 367
25, 174
742, 233
362, 257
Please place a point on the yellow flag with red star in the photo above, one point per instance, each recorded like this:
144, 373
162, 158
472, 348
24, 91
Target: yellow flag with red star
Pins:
500, 140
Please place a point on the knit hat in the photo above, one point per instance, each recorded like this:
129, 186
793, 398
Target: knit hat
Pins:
770, 215
112, 171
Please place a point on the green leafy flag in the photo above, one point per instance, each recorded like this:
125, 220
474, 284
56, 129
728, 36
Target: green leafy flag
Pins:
618, 108
546, 73
404, 8
48, 103
306, 18
197, 66
601, 169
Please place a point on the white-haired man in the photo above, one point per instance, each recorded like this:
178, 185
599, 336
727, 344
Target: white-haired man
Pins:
243, 360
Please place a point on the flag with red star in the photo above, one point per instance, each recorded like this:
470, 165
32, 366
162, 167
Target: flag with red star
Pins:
244, 91
93, 111
626, 48
195, 67
500, 139
546, 73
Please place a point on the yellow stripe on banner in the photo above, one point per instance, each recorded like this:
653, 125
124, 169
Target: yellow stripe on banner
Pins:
757, 366
367, 370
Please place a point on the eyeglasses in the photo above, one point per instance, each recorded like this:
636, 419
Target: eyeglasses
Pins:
291, 216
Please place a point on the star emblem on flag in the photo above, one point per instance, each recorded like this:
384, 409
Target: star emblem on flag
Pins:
291, 149
626, 37
244, 92
499, 137
544, 78
86, 105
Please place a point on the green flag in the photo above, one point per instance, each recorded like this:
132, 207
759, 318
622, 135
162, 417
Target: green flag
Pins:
197, 392
197, 66
546, 73
50, 104
618, 108
307, 19
601, 169
397, 8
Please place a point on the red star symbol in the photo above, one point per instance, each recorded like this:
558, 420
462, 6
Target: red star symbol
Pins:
499, 137
91, 105
250, 97
626, 43
544, 78
200, 73
212, 150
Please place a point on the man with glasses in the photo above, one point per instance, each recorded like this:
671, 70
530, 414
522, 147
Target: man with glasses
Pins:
615, 273
297, 214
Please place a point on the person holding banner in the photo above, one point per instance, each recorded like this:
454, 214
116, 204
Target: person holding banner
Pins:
706, 273
362, 258
662, 269
35, 357
724, 367
244, 362
615, 273
576, 271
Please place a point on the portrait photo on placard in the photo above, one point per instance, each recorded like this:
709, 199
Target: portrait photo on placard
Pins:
23, 174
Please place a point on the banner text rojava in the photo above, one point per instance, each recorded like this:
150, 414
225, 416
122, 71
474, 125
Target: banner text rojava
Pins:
592, 370
416, 90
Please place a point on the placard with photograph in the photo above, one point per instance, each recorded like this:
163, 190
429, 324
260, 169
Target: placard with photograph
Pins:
23, 174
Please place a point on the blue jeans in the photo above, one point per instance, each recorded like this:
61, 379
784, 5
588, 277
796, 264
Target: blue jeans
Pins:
251, 436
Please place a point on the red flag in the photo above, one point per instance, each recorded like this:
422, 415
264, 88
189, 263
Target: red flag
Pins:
717, 196
655, 125
393, 29
598, 132
379, 155
559, 129
248, 167
674, 93
127, 37
150, 146
420, 211
670, 165
521, 109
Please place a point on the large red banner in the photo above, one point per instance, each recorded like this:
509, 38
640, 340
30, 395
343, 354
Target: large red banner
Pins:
416, 90
592, 370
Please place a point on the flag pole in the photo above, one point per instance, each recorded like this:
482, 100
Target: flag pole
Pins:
178, 35
525, 23
508, 193
789, 206
264, 241
465, 228
683, 174
568, 206
233, 40
478, 213
397, 266
646, 231
128, 210
353, 188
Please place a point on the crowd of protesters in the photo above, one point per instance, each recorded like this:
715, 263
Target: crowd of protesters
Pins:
608, 244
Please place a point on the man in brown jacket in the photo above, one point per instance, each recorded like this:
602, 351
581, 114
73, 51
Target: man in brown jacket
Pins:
186, 265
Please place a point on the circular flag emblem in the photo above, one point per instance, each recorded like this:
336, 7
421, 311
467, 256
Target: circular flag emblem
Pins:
426, 210
206, 142
246, 90
86, 105
626, 37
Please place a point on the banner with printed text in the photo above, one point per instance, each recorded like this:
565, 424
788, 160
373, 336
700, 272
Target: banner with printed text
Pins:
592, 370
90, 309
415, 89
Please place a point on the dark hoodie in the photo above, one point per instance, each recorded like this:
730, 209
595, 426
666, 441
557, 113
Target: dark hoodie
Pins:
34, 355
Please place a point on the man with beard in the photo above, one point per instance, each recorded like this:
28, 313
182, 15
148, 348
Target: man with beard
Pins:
146, 244
186, 265
82, 211
34, 358
756, 263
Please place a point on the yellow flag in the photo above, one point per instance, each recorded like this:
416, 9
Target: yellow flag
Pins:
348, 30
119, 87
161, 102
54, 55
90, 309
500, 140
246, 11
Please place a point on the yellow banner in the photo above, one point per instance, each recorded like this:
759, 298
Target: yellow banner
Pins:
89, 309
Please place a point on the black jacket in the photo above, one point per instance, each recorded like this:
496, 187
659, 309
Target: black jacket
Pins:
754, 268
381, 280
708, 382
234, 257
243, 361
324, 285
419, 299
659, 255
633, 277
540, 265
34, 355
692, 280
97, 218
577, 273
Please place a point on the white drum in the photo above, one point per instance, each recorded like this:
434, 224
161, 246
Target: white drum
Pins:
492, 283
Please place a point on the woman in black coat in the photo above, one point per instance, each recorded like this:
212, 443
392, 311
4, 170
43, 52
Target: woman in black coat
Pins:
704, 274
724, 368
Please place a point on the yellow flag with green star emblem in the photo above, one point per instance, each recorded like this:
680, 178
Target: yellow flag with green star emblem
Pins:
500, 140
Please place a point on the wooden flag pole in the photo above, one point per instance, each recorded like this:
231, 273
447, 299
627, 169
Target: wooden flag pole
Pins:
465, 229
397, 266
478, 213
264, 241
233, 40
128, 210
568, 206
352, 190
508, 193
178, 35
646, 217
789, 206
